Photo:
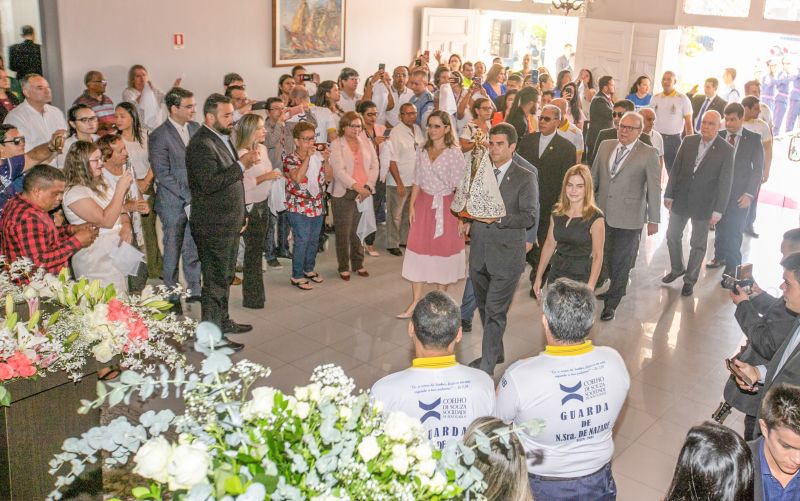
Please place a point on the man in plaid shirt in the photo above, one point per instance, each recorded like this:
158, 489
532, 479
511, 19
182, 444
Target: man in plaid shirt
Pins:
27, 230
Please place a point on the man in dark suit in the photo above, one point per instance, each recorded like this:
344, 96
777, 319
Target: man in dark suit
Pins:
173, 199
25, 57
748, 168
552, 154
217, 213
698, 189
497, 246
620, 108
627, 177
600, 112
775, 455
708, 100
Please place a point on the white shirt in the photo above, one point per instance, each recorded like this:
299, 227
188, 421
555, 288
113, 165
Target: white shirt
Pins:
671, 111
38, 128
766, 115
445, 399
393, 115
68, 142
658, 141
544, 141
405, 144
133, 194
326, 121
624, 157
578, 391
255, 192
183, 130
348, 103
573, 134
503, 169
761, 128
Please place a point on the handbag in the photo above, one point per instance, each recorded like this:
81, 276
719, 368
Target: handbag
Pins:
478, 194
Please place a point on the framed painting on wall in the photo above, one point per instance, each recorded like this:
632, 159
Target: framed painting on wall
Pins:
307, 32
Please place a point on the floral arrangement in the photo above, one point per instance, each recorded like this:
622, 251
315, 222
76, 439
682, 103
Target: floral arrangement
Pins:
73, 322
235, 442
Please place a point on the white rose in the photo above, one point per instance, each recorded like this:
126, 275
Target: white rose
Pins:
152, 459
399, 459
345, 412
188, 466
314, 392
103, 351
302, 410
427, 467
436, 483
400, 427
422, 452
261, 404
301, 392
291, 403
329, 392
369, 449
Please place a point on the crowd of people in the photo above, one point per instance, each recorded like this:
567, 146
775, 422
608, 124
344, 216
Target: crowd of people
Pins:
576, 170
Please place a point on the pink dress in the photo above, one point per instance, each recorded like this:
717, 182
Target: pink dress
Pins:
435, 252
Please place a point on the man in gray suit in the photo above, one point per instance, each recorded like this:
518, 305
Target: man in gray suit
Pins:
497, 246
748, 167
168, 159
698, 189
627, 177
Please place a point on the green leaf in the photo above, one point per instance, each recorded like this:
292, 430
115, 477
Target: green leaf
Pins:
233, 485
5, 397
141, 492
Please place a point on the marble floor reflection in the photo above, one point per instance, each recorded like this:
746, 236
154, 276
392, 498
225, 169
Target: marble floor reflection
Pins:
673, 346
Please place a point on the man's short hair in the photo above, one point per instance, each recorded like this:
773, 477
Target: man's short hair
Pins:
569, 310
406, 105
734, 108
231, 88
781, 407
89, 75
27, 30
792, 235
751, 83
634, 114
750, 101
548, 93
175, 95
555, 109
647, 109
41, 176
604, 80
271, 101
791, 263
713, 81
436, 320
213, 101
625, 104
505, 129
514, 77
25, 81
347, 73
231, 77
4, 128
297, 68
731, 72
419, 72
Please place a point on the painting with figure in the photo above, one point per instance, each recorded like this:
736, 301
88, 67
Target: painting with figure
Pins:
307, 32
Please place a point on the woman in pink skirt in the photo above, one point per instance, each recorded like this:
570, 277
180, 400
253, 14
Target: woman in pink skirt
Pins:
435, 252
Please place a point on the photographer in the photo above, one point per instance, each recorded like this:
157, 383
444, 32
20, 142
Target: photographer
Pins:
784, 364
766, 322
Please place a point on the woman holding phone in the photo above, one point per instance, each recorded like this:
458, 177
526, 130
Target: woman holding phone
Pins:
286, 84
327, 111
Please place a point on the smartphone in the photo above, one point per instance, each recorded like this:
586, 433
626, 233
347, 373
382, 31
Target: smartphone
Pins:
534, 77
320, 146
744, 271
386, 132
382, 67
427, 54
476, 80
307, 77
453, 80
418, 62
737, 372
58, 142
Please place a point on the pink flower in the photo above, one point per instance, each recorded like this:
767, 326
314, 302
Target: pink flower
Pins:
117, 312
21, 364
137, 330
6, 372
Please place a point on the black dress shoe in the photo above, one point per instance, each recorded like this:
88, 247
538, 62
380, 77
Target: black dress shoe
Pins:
193, 299
466, 325
609, 312
227, 343
687, 290
715, 263
394, 251
671, 277
231, 327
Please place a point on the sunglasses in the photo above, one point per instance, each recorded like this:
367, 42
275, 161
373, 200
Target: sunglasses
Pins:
545, 118
17, 140
617, 114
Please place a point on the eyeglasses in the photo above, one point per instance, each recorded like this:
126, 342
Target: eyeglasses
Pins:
277, 109
86, 120
628, 128
545, 118
104, 82
17, 140
486, 108
355, 126
408, 113
617, 114
307, 138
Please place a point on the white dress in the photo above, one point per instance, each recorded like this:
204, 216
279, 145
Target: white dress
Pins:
94, 262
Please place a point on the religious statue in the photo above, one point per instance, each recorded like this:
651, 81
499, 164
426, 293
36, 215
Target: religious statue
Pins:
478, 194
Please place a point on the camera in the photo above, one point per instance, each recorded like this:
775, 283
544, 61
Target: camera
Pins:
307, 77
320, 146
741, 280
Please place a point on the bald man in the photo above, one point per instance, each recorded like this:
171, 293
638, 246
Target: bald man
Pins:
698, 189
569, 130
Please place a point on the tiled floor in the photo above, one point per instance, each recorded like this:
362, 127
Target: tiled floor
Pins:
673, 346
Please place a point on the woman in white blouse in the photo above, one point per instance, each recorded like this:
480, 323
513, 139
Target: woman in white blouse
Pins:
89, 199
148, 99
128, 124
327, 111
249, 136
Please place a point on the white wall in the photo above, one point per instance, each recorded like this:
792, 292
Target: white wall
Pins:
111, 36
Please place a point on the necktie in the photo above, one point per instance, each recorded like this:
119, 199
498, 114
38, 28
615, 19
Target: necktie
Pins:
700, 115
618, 160
732, 139
497, 175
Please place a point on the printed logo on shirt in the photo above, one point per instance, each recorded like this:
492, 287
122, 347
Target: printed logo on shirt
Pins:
571, 393
585, 406
431, 413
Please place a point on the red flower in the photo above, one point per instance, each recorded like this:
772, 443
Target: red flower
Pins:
137, 330
117, 312
6, 372
21, 364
